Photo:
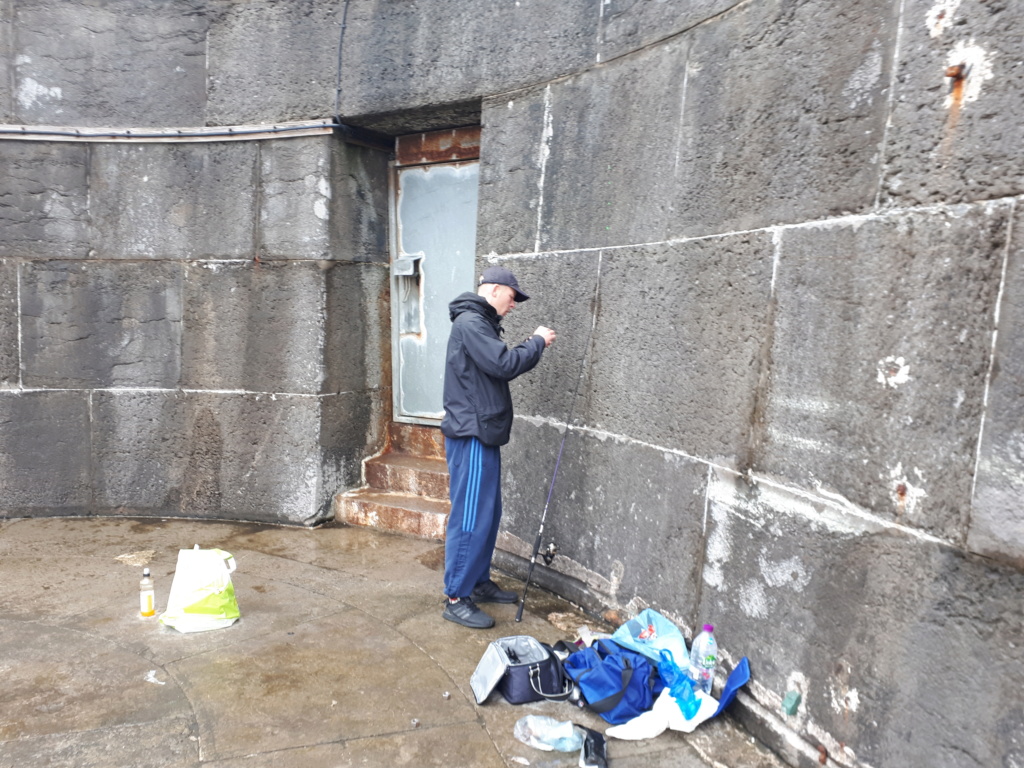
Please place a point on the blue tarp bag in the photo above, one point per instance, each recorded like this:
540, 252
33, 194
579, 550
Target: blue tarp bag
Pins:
650, 633
617, 683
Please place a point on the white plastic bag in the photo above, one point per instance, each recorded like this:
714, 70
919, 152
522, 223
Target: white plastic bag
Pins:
202, 596
546, 733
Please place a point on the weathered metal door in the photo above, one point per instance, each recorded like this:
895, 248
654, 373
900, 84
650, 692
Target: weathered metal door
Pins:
433, 260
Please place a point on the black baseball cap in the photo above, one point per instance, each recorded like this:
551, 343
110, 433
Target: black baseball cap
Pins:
502, 276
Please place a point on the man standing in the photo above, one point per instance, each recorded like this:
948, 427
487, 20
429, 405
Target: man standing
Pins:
477, 422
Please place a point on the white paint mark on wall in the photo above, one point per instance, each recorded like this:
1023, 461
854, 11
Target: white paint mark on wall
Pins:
940, 16
845, 699
979, 69
807, 404
893, 371
680, 127
718, 547
786, 573
798, 441
545, 152
30, 93
860, 87
753, 600
320, 209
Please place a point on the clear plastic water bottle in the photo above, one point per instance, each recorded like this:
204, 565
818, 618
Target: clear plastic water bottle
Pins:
703, 659
147, 595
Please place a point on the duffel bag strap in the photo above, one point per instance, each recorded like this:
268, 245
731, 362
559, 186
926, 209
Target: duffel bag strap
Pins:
608, 703
538, 688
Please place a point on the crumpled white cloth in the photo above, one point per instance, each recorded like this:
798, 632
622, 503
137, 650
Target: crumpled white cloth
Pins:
663, 715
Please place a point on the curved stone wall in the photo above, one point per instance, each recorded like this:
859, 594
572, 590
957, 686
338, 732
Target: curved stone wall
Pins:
783, 236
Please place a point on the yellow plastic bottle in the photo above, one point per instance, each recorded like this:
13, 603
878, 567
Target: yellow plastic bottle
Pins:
147, 594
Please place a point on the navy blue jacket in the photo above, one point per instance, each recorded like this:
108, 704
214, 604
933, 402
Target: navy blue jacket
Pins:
478, 368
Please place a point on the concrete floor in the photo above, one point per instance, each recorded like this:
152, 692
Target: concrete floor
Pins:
341, 658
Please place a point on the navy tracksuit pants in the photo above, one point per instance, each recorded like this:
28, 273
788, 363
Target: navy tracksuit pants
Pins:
474, 472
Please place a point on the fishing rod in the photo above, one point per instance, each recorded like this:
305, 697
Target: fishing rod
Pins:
549, 554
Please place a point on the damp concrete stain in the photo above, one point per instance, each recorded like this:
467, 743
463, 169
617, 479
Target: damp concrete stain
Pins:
434, 559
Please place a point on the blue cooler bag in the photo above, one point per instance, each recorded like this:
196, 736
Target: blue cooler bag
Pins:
617, 683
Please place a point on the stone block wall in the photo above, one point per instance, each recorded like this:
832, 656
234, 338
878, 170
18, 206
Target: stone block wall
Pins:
780, 241
192, 330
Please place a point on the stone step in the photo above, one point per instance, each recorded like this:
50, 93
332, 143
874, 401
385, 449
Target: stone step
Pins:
406, 473
416, 439
397, 512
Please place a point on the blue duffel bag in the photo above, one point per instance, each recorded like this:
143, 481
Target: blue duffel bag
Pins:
617, 683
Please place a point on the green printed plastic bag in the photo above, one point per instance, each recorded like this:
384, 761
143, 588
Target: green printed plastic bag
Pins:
202, 596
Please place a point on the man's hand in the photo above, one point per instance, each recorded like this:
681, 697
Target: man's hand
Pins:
545, 333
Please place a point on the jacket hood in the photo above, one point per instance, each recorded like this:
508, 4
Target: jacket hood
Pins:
471, 302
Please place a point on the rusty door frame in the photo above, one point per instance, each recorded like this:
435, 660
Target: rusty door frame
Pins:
454, 146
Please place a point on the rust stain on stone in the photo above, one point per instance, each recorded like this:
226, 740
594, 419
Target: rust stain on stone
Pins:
957, 75
445, 146
901, 496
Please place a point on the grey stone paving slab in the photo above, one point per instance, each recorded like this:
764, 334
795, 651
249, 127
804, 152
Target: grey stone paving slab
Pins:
339, 649
110, 537
304, 686
46, 693
462, 744
51, 574
322, 756
169, 742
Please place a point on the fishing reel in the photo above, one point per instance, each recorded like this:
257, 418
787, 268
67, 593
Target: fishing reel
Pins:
549, 553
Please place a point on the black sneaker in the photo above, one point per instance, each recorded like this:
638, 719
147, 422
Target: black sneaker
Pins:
464, 612
489, 592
